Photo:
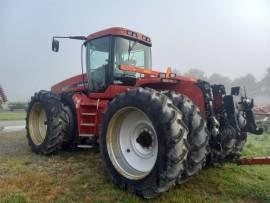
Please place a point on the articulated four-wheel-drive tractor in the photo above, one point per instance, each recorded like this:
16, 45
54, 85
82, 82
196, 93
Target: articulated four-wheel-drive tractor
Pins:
153, 129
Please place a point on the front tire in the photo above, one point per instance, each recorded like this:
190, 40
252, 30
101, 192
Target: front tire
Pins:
143, 122
45, 123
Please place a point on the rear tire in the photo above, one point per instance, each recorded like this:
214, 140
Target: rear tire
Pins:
45, 123
164, 123
198, 136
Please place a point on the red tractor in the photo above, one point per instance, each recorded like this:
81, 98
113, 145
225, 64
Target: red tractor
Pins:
153, 129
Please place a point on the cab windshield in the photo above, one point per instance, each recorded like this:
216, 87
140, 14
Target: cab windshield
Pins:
131, 53
105, 54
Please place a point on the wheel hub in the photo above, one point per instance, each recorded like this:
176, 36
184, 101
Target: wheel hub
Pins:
145, 139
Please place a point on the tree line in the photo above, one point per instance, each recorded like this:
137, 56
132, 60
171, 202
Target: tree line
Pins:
253, 87
3, 97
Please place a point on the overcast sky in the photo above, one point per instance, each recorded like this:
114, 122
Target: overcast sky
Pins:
230, 37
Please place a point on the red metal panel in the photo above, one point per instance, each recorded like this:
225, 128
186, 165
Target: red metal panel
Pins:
67, 85
254, 160
183, 85
119, 32
84, 104
191, 90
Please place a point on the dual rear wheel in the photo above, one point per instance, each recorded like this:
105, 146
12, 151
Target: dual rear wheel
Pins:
46, 123
149, 141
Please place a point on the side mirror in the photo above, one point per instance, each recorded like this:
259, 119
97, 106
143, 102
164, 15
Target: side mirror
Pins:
55, 45
235, 91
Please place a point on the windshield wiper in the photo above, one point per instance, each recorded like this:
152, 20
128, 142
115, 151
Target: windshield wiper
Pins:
130, 48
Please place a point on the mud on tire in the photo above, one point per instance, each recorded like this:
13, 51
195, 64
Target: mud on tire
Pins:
223, 146
45, 123
171, 135
241, 139
229, 143
198, 135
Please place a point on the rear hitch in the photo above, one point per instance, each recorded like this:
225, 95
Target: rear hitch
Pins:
251, 125
246, 105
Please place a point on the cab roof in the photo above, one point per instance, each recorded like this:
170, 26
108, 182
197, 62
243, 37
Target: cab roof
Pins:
119, 31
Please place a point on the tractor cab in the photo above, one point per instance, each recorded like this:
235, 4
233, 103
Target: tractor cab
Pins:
104, 56
107, 50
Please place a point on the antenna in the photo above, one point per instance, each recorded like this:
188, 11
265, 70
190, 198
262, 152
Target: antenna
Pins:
245, 92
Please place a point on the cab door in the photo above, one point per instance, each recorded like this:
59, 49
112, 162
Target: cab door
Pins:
98, 55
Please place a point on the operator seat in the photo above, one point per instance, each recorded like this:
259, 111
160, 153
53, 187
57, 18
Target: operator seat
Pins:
98, 78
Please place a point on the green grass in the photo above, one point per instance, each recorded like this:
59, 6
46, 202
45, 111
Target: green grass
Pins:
15, 115
79, 177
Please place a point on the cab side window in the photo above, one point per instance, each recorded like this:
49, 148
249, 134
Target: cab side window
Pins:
98, 54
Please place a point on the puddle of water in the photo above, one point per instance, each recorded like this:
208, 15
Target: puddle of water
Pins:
13, 128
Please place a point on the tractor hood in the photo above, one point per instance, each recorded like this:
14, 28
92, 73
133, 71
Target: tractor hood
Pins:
75, 83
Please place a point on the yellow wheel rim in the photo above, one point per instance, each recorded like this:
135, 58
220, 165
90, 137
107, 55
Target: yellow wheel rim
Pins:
37, 123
